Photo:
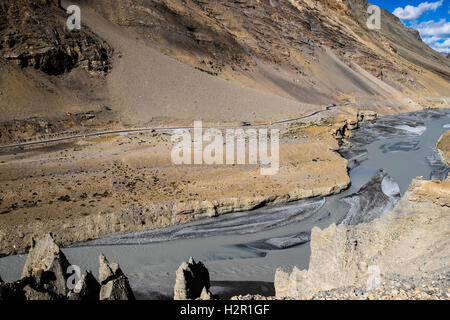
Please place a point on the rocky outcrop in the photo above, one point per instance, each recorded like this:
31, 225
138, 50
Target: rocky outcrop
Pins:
205, 295
117, 289
410, 240
45, 277
46, 263
343, 129
429, 286
30, 288
372, 201
34, 34
367, 115
107, 271
115, 285
192, 281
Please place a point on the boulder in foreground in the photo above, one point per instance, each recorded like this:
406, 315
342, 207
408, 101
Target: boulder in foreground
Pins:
115, 285
192, 281
48, 265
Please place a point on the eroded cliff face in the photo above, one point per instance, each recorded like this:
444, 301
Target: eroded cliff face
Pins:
411, 240
34, 34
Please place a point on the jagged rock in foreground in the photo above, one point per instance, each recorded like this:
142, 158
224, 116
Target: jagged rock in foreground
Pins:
411, 240
45, 277
117, 289
48, 265
115, 285
205, 295
107, 270
192, 281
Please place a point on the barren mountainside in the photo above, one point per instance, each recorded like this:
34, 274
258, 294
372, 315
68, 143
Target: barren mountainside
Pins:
141, 63
214, 35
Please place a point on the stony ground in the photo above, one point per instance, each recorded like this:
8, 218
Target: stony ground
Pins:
394, 287
430, 286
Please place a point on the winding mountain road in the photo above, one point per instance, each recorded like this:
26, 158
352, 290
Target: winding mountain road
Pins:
158, 129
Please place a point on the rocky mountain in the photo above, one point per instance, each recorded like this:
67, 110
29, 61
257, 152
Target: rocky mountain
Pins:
170, 61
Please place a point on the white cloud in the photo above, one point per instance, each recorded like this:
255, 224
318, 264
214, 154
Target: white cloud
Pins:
442, 46
431, 40
435, 34
445, 44
431, 28
413, 13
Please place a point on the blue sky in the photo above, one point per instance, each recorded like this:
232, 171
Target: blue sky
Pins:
430, 18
